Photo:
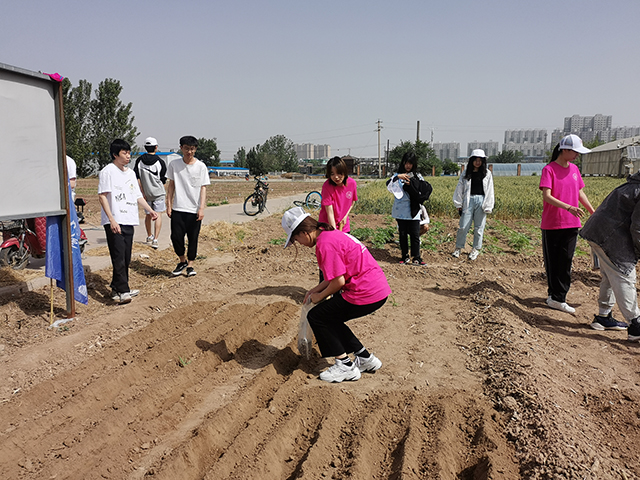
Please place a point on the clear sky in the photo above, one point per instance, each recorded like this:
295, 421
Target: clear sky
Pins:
326, 71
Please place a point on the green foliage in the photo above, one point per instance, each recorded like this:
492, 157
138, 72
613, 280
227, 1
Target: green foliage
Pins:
240, 158
208, 152
450, 168
277, 241
507, 156
92, 124
279, 154
516, 197
255, 162
110, 119
378, 237
427, 158
518, 241
77, 122
435, 237
183, 362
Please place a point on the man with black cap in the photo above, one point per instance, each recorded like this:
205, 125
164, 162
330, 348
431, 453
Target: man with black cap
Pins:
151, 173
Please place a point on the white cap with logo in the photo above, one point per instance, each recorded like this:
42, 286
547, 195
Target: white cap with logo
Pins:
150, 142
290, 220
573, 142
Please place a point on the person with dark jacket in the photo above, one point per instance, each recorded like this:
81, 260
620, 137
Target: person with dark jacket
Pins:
613, 231
410, 191
151, 172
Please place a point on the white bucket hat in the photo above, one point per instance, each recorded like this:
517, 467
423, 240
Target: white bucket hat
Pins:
573, 142
478, 152
290, 220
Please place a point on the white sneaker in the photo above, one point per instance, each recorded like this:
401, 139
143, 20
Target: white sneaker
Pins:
474, 254
562, 306
370, 364
154, 243
340, 372
134, 293
456, 253
122, 298
150, 239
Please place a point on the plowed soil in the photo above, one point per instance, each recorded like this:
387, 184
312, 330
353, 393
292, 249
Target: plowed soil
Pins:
200, 378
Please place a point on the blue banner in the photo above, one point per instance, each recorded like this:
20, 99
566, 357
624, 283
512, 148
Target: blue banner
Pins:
54, 267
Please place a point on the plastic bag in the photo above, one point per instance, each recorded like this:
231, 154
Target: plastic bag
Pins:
424, 220
305, 334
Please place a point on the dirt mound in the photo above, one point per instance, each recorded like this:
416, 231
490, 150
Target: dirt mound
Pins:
200, 377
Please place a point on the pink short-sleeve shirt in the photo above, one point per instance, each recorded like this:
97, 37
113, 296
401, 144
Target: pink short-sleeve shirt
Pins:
339, 253
565, 185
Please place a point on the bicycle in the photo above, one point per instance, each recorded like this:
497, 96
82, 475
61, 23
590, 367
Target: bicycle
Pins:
257, 201
312, 201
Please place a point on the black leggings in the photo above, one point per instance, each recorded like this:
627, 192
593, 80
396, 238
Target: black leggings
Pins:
328, 322
558, 247
412, 229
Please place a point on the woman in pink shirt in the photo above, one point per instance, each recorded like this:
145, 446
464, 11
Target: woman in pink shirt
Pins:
561, 184
339, 192
357, 287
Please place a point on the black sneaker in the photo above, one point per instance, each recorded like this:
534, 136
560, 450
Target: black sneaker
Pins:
607, 323
191, 272
180, 268
634, 330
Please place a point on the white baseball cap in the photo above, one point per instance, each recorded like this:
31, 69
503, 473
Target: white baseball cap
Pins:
290, 220
573, 142
150, 142
478, 152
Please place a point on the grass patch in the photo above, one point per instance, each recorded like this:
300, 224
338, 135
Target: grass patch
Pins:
378, 237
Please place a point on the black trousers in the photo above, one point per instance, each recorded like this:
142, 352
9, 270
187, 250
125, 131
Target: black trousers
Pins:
184, 223
558, 247
409, 228
120, 245
328, 322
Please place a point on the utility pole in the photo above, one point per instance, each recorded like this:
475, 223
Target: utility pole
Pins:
379, 159
418, 132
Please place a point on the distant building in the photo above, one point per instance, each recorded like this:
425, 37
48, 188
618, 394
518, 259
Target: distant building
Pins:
490, 148
449, 150
592, 128
309, 151
525, 136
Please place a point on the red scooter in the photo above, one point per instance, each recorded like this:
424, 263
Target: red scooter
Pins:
23, 239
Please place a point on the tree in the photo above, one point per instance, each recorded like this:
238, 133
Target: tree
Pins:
110, 119
208, 152
255, 162
507, 156
77, 122
279, 154
427, 158
449, 167
240, 158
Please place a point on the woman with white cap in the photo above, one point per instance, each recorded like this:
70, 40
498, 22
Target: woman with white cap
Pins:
562, 191
357, 287
474, 199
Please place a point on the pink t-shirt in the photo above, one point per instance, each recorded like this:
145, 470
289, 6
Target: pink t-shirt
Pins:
565, 185
339, 253
340, 198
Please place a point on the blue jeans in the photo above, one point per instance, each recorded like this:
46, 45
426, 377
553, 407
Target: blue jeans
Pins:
473, 213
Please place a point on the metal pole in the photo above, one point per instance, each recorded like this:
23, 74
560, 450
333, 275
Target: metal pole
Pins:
379, 159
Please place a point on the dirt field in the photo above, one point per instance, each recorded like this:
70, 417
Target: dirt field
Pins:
200, 378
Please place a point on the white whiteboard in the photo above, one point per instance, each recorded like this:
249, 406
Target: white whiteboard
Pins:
30, 145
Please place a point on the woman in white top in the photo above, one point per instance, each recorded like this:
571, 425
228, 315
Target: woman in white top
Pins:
473, 198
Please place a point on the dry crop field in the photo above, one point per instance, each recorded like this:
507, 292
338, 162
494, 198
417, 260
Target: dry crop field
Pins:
200, 378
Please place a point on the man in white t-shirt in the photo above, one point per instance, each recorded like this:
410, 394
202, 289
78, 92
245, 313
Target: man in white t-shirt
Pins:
119, 196
186, 201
